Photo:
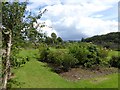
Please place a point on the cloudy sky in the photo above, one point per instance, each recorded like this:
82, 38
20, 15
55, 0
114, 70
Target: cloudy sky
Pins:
74, 19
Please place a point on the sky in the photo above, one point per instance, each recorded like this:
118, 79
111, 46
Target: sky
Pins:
74, 19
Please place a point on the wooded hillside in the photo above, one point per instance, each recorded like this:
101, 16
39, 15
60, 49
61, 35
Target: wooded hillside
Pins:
110, 40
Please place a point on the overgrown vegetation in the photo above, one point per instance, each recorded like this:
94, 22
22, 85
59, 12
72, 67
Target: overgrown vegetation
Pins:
77, 54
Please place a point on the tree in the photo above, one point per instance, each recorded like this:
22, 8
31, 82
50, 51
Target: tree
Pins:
12, 14
54, 36
48, 40
59, 39
82, 40
15, 30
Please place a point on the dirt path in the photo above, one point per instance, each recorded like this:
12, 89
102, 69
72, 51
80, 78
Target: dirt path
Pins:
79, 73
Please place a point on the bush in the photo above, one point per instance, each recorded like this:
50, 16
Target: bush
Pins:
55, 57
44, 51
115, 61
68, 61
88, 55
17, 61
60, 58
103, 54
78, 52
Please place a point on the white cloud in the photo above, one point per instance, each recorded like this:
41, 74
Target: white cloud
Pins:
89, 1
98, 16
91, 26
72, 18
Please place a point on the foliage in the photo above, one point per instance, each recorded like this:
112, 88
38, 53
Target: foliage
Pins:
58, 57
17, 61
88, 55
69, 61
115, 61
54, 38
59, 39
44, 51
19, 23
48, 40
12, 16
53, 35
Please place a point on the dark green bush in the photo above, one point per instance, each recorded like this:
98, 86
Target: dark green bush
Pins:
115, 61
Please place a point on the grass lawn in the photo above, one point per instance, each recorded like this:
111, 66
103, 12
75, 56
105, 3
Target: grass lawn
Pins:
115, 53
35, 74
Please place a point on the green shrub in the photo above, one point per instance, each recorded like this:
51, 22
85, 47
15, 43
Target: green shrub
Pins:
78, 52
59, 58
55, 57
62, 58
102, 52
44, 51
68, 61
115, 61
88, 55
17, 61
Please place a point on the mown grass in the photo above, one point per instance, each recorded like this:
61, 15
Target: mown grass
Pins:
35, 74
112, 53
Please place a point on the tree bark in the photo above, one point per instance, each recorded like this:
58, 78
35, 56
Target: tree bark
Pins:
7, 66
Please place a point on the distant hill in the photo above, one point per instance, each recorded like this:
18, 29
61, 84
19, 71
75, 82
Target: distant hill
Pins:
110, 40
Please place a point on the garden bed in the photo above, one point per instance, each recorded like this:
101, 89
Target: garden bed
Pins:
80, 73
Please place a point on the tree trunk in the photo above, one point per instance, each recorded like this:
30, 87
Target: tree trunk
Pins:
7, 66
